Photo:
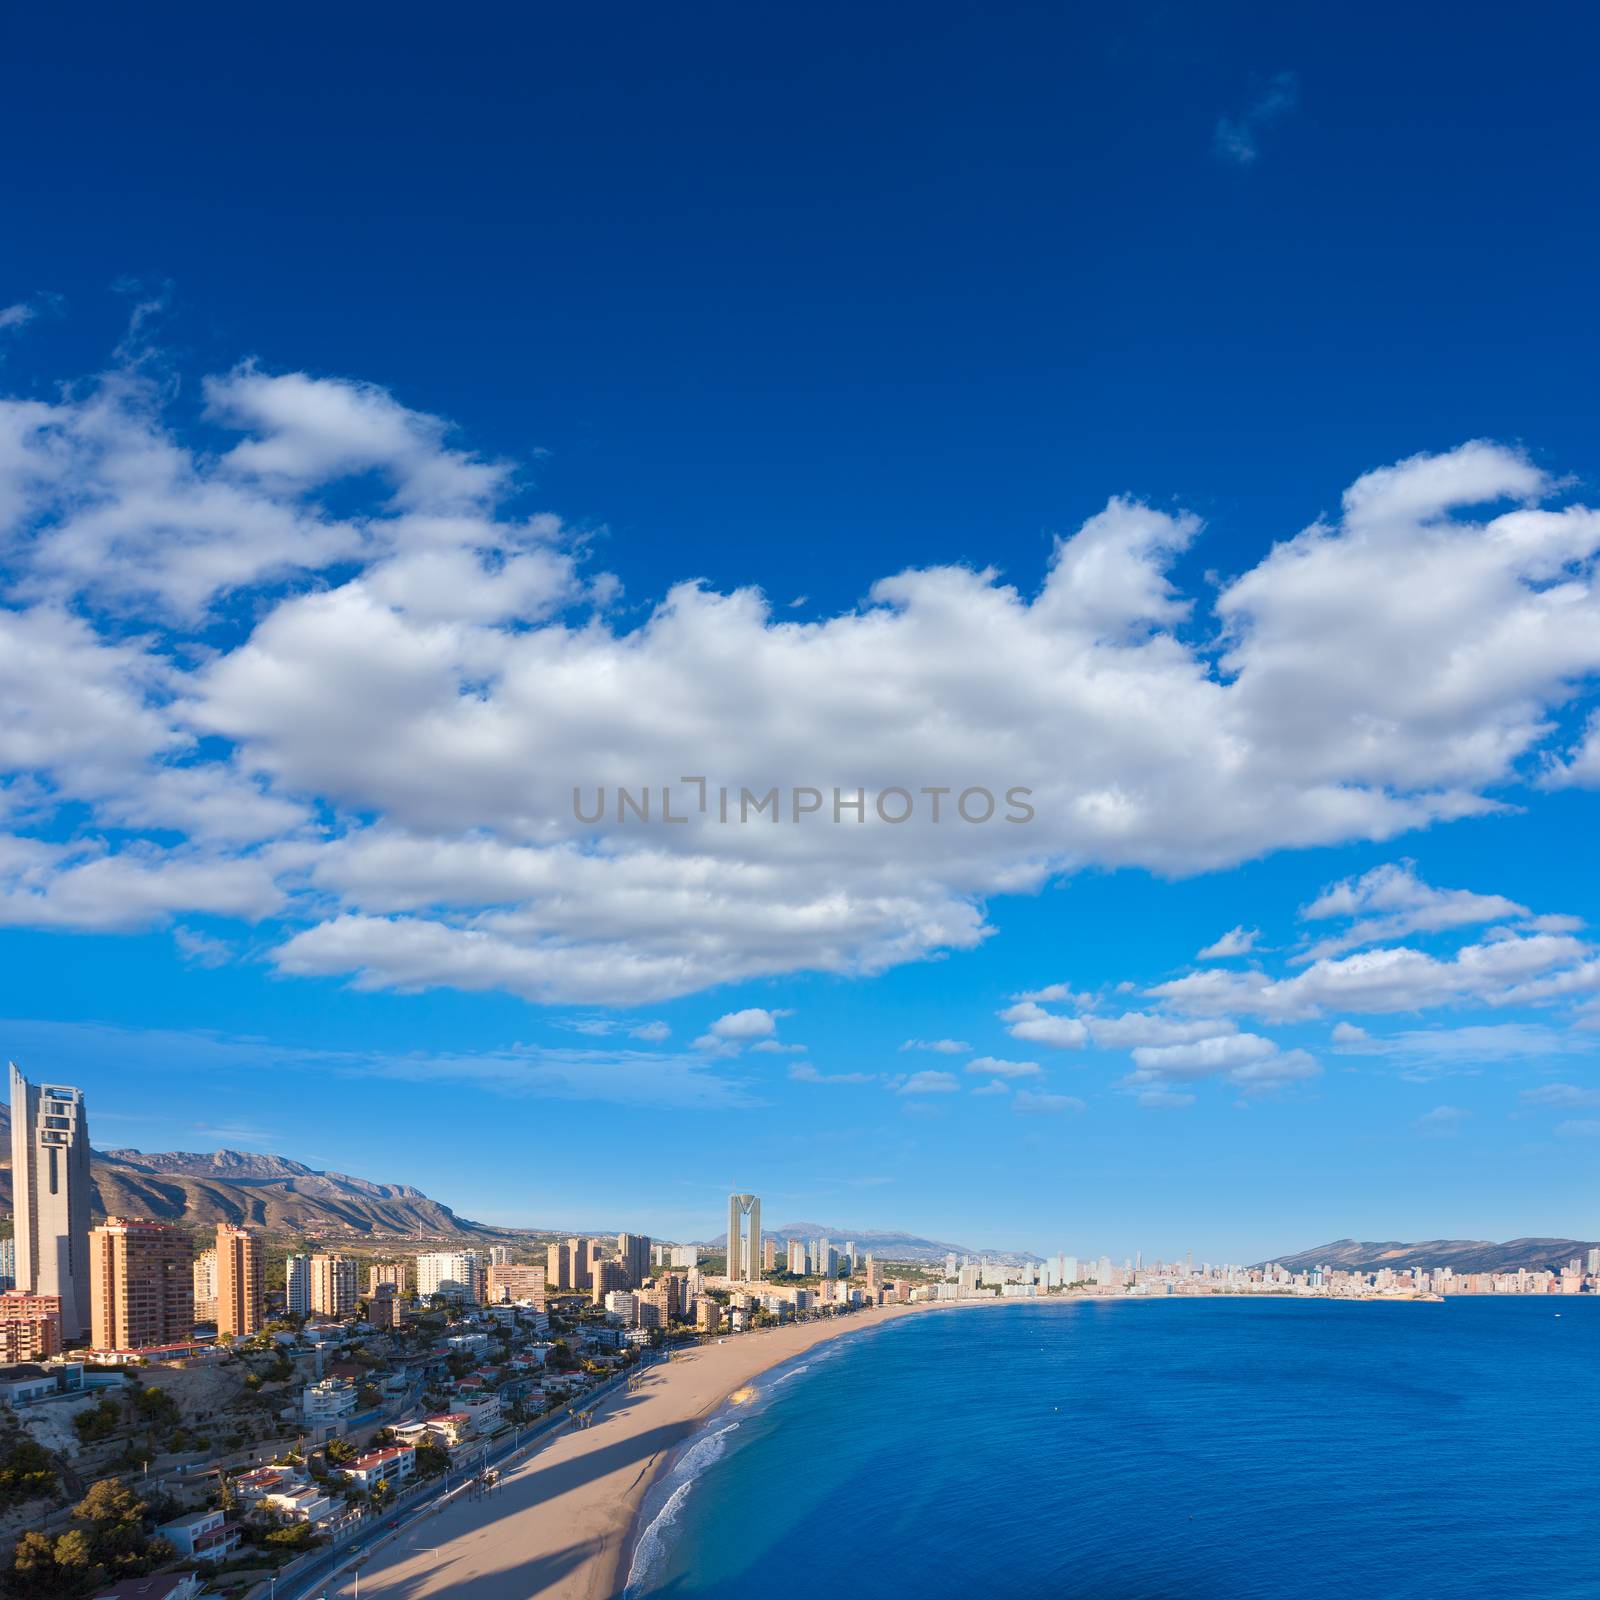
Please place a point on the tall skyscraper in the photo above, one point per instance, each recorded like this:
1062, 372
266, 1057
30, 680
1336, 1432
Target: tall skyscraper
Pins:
238, 1282
744, 1244
51, 1197
142, 1285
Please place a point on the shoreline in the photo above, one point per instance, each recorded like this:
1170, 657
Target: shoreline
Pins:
621, 1560
564, 1522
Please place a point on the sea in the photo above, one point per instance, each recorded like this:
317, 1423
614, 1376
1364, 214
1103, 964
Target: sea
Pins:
1173, 1449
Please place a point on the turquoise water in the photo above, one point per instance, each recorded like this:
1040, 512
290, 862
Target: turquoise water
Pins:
1170, 1450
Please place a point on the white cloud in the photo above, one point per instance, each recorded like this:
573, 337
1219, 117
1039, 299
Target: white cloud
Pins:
1579, 1128
928, 1082
1562, 1096
1204, 1058
653, 1032
1391, 901
993, 1067
425, 682
941, 1047
1236, 941
804, 1072
1025, 1020
1503, 968
992, 1087
1143, 1027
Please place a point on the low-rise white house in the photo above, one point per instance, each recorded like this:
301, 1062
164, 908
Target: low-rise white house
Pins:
328, 1402
392, 1464
204, 1535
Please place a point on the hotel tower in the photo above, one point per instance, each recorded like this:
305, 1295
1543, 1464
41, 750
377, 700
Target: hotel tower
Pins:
51, 1196
744, 1248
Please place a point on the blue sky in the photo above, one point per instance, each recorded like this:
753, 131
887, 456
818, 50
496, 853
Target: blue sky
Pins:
375, 399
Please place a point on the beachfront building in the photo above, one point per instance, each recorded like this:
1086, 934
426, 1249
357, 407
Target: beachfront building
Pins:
390, 1464
744, 1237
51, 1197
798, 1261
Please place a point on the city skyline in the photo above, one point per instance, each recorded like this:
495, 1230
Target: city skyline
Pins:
1107, 440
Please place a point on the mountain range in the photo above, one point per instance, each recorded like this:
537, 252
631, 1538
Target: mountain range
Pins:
272, 1193
1464, 1255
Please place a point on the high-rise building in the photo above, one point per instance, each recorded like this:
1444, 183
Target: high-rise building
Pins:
333, 1285
51, 1197
239, 1302
827, 1263
797, 1257
769, 1255
686, 1256
744, 1243
874, 1278
8, 1264
30, 1326
633, 1250
297, 1285
454, 1273
205, 1286
141, 1285
609, 1276
517, 1283
499, 1255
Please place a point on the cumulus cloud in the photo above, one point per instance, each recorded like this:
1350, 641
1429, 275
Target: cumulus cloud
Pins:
1032, 1022
941, 1047
335, 657
1235, 942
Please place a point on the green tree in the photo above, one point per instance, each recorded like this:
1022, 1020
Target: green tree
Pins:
432, 1459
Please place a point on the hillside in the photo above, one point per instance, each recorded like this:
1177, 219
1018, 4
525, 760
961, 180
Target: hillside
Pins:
272, 1193
1464, 1255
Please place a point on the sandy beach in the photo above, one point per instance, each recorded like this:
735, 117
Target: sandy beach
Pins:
559, 1525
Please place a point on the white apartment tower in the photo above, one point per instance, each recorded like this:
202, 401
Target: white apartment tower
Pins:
51, 1196
449, 1272
744, 1244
